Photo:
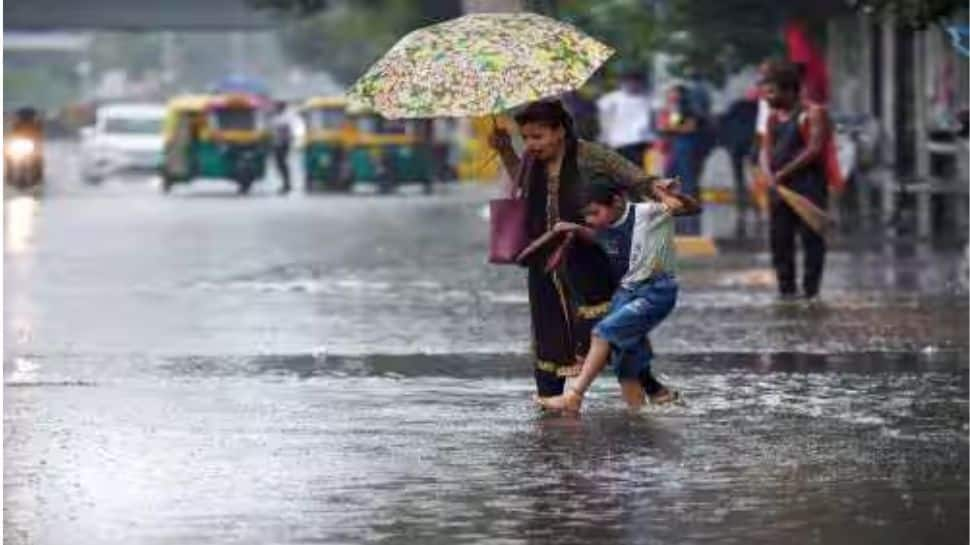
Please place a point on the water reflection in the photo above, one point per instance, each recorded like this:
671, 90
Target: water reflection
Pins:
439, 450
590, 479
20, 219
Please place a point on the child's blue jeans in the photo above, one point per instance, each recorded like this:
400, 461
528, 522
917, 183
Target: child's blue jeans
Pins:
634, 312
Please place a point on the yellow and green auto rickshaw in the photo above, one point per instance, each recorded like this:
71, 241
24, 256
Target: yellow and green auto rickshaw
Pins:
388, 152
215, 136
327, 136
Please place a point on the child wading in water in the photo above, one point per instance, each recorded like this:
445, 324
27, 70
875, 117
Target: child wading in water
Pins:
639, 240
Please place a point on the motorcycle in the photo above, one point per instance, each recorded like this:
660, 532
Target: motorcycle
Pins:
23, 162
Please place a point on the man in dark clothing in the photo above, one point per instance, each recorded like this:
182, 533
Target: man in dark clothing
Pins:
282, 137
736, 128
792, 156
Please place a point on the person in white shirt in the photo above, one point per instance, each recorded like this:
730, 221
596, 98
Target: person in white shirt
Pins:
761, 125
625, 118
282, 137
764, 110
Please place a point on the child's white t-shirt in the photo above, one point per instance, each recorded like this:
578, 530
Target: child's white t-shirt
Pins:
640, 244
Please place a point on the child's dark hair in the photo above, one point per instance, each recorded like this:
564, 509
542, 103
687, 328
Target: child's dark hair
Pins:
602, 191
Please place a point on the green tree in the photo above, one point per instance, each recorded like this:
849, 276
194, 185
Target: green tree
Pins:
632, 27
915, 14
134, 53
715, 38
344, 37
43, 86
710, 37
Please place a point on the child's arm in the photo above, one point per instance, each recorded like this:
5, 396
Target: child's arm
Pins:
677, 204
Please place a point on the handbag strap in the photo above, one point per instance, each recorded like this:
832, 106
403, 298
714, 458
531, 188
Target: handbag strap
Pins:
519, 186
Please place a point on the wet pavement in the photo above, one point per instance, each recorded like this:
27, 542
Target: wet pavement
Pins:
205, 368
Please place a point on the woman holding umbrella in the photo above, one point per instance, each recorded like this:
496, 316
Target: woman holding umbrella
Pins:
485, 64
566, 302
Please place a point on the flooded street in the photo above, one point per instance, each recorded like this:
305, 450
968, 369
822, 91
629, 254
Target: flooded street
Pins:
207, 368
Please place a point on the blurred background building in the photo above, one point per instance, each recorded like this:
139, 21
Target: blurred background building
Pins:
896, 71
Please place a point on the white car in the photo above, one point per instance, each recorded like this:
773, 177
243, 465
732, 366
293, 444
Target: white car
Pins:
124, 138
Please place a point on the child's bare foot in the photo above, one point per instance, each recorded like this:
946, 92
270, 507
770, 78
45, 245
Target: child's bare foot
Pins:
664, 396
570, 401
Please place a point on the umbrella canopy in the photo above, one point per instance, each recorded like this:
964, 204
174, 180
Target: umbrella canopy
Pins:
479, 64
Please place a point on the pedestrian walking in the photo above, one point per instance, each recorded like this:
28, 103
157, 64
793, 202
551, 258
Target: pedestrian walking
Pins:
700, 104
282, 138
735, 131
625, 118
680, 126
792, 156
759, 183
568, 300
639, 239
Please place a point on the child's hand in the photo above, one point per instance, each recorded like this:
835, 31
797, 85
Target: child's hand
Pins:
666, 185
565, 227
672, 203
500, 140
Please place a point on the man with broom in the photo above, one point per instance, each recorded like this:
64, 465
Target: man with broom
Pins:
793, 156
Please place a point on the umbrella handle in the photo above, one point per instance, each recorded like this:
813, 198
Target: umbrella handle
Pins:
496, 154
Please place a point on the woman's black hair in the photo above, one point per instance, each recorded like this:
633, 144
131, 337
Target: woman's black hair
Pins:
602, 191
550, 113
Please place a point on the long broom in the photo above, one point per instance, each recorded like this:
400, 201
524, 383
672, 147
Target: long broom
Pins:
815, 217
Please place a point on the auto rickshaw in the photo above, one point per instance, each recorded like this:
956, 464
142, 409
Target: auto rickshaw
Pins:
327, 135
215, 136
388, 152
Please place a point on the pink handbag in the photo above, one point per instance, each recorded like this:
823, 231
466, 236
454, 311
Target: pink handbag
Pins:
508, 218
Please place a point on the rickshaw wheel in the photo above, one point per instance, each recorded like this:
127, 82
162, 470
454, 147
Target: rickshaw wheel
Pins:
387, 182
344, 184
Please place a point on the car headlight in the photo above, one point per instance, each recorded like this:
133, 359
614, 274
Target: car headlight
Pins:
19, 148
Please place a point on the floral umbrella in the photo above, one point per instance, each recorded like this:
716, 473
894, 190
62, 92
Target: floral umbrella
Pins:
479, 64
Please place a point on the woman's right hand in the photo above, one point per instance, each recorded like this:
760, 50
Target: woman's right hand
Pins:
500, 140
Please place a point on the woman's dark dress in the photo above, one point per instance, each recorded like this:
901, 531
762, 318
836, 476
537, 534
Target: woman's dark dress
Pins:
566, 303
